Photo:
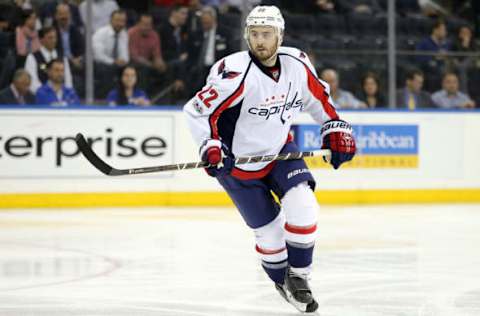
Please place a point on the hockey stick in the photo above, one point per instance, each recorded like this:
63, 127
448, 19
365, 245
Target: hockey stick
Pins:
101, 165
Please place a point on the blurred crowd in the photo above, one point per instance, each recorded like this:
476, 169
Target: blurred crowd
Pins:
159, 51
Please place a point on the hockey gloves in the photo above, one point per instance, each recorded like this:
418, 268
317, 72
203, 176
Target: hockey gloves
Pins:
218, 156
337, 136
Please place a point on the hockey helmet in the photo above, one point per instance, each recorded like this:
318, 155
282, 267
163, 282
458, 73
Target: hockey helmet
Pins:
265, 16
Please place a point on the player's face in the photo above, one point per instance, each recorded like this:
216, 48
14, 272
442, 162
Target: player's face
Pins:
263, 42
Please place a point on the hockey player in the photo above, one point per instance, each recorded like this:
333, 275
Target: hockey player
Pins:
246, 108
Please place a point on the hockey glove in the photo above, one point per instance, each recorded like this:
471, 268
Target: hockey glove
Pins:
218, 156
337, 136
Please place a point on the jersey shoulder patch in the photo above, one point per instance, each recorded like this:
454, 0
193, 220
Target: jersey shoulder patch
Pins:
231, 66
295, 52
225, 72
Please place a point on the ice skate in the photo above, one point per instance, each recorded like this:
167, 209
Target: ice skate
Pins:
296, 291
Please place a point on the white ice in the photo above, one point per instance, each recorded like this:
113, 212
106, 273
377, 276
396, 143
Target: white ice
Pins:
398, 260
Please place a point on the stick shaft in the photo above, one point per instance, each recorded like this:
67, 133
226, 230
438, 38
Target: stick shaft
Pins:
101, 165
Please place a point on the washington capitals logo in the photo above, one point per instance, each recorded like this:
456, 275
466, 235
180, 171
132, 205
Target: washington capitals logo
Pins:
226, 74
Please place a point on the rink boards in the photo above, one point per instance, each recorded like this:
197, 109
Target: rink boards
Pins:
402, 157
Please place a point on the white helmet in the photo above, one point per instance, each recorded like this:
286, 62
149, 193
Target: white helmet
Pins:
265, 16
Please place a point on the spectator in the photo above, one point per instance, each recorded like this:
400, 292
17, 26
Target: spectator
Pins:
36, 63
412, 96
110, 42
173, 37
101, 12
4, 18
174, 46
450, 97
127, 92
144, 45
71, 42
54, 92
49, 9
110, 50
436, 43
435, 64
206, 46
464, 43
27, 41
359, 6
370, 93
194, 16
16, 13
18, 91
343, 99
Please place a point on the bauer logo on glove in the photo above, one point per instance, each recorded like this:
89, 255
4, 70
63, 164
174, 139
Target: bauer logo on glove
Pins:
337, 136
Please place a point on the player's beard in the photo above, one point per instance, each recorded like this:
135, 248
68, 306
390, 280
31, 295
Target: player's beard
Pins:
265, 54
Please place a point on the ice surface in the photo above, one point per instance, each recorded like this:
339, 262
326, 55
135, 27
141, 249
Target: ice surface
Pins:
369, 261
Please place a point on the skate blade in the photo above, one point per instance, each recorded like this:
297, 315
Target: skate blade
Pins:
301, 307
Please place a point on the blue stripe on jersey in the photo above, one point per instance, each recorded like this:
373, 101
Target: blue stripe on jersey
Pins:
227, 122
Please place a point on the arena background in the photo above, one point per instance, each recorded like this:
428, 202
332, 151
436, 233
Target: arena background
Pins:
421, 155
398, 225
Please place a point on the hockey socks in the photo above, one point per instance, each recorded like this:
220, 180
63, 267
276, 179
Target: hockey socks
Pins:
275, 270
300, 244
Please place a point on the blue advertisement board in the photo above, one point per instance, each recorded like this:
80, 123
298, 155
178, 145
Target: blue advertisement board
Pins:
392, 146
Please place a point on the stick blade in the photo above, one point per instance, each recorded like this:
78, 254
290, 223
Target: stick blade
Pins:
91, 156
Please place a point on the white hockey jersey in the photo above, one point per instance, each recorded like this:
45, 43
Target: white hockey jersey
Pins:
251, 110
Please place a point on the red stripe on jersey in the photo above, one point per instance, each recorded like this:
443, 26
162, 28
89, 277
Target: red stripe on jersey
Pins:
289, 138
301, 230
268, 251
223, 106
250, 175
318, 91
